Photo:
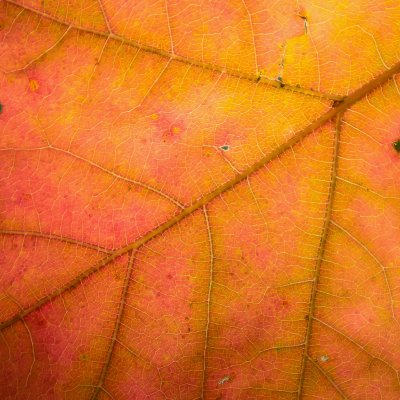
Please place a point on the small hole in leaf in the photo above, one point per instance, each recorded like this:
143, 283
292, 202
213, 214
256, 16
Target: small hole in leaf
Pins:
1, 108
324, 358
396, 145
225, 147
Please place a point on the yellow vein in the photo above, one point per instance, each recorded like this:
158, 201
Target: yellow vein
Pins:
68, 286
297, 138
210, 285
364, 350
268, 390
117, 326
171, 42
328, 377
31, 340
269, 349
121, 177
103, 12
367, 189
100, 167
186, 60
320, 256
37, 58
377, 261
252, 34
56, 237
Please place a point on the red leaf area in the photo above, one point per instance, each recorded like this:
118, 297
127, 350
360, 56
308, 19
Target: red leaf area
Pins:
200, 200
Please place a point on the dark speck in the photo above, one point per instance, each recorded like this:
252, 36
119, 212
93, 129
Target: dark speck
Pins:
225, 147
1, 108
280, 81
396, 145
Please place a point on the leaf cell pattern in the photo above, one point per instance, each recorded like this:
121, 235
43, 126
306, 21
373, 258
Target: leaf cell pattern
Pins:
199, 200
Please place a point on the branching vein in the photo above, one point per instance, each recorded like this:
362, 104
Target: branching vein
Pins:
321, 250
117, 325
210, 285
185, 60
56, 237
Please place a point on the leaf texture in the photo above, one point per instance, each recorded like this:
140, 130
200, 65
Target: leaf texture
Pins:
200, 200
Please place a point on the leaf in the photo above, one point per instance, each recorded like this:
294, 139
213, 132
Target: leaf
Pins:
200, 200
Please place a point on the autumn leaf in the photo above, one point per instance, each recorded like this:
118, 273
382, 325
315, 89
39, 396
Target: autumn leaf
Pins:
200, 200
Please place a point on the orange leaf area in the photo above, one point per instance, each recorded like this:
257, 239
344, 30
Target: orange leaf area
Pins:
199, 200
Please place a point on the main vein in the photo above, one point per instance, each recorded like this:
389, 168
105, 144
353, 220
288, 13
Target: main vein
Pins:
207, 198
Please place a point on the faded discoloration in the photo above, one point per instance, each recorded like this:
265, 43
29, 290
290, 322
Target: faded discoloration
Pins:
119, 144
53, 200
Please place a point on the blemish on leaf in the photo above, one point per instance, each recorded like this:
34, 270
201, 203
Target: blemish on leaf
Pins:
305, 26
225, 147
83, 357
176, 130
396, 145
224, 380
33, 85
261, 73
280, 81
169, 130
1, 108
324, 358
302, 14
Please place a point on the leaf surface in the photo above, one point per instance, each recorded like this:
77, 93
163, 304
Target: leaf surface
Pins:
200, 200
